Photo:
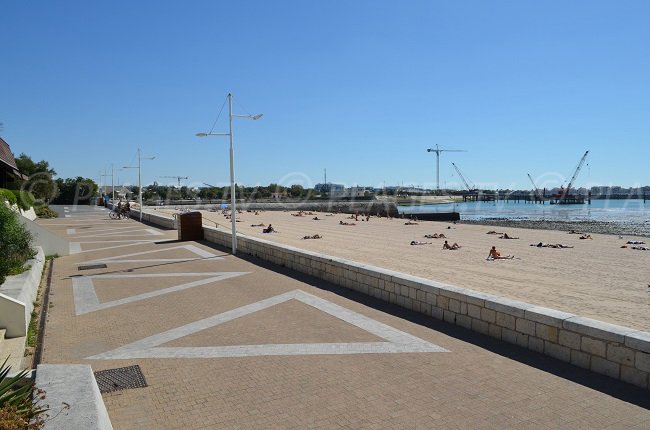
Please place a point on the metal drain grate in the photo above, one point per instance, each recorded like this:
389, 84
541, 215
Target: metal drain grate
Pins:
93, 266
123, 378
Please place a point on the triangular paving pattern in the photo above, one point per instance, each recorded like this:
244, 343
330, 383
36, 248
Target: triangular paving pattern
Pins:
283, 323
86, 300
396, 341
136, 257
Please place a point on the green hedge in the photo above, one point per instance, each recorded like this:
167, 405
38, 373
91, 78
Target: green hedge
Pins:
15, 243
8, 195
24, 199
44, 211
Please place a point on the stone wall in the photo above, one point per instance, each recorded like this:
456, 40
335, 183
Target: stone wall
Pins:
618, 352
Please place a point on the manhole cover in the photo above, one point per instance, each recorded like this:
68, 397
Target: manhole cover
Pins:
93, 266
122, 378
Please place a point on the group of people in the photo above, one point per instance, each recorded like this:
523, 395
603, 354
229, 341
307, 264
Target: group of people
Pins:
123, 208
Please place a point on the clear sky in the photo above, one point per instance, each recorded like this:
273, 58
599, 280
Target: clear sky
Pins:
359, 87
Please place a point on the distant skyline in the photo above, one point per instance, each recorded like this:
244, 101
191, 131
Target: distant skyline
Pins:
361, 88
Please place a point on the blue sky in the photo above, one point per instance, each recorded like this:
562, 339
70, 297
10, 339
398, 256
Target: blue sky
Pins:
361, 88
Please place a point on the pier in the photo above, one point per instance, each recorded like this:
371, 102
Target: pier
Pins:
518, 197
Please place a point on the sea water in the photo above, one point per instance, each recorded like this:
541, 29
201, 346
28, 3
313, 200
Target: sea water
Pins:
633, 211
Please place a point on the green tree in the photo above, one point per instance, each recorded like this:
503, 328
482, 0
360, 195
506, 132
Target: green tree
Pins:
40, 178
75, 190
296, 191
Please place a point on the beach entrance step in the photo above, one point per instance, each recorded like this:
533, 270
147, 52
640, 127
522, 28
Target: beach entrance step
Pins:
190, 226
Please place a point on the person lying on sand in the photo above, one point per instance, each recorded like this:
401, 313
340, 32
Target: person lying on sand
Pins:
346, 223
417, 242
550, 245
585, 236
635, 242
316, 218
496, 255
316, 236
410, 223
268, 229
329, 214
573, 232
493, 232
505, 236
435, 236
641, 248
258, 225
446, 245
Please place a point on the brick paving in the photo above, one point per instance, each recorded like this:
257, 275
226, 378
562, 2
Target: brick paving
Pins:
152, 292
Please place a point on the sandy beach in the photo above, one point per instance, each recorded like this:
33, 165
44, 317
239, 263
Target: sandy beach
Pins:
597, 278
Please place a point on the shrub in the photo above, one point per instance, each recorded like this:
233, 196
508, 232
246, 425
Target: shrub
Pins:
44, 211
17, 409
24, 199
15, 243
8, 196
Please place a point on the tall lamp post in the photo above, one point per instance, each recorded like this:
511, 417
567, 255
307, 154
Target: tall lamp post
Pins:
113, 169
140, 158
233, 199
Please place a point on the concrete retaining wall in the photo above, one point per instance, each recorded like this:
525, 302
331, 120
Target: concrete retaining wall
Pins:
153, 218
50, 242
17, 296
385, 208
619, 352
75, 385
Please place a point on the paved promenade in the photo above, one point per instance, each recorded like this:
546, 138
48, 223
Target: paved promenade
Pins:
224, 342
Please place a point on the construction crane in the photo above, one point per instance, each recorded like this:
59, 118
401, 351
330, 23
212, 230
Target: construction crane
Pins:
534, 186
565, 192
437, 151
176, 177
462, 178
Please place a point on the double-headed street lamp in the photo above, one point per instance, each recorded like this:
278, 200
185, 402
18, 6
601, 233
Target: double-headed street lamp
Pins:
139, 178
233, 207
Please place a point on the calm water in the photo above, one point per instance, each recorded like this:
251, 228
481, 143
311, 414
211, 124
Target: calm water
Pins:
626, 211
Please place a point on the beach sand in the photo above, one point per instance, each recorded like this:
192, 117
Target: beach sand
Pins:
596, 279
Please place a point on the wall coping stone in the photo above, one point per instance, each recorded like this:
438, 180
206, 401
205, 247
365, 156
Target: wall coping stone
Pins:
597, 329
638, 340
547, 316
508, 306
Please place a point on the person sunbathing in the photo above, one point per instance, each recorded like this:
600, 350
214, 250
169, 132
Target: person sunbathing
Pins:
268, 229
346, 223
446, 245
496, 255
316, 236
410, 223
493, 232
417, 242
435, 236
585, 236
258, 225
550, 245
641, 248
316, 218
505, 236
635, 242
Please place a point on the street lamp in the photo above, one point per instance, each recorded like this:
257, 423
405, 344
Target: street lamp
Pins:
233, 207
113, 169
139, 178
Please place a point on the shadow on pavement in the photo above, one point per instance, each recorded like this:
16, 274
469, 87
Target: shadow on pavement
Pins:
603, 384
